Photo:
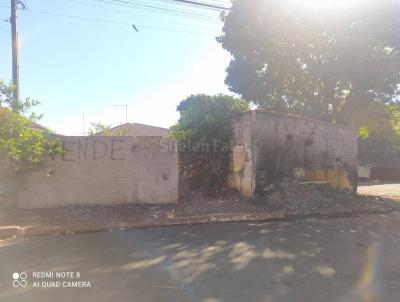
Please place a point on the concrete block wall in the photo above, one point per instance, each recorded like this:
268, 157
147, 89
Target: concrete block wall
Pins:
8, 184
280, 143
243, 176
103, 171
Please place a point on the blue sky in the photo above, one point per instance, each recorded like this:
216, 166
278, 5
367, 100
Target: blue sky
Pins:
75, 66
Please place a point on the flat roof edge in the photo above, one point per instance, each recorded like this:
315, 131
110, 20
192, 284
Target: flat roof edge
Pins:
271, 112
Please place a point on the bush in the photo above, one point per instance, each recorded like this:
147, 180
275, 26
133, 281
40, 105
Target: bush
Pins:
22, 141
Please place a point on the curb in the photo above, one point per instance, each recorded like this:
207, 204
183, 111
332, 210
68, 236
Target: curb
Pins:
191, 220
250, 217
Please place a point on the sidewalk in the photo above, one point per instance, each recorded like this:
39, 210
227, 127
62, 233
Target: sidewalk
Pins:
277, 206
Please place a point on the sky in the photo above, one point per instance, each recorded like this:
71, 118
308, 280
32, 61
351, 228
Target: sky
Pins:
78, 67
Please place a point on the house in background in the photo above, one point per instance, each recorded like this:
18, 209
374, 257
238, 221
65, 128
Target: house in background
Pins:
136, 129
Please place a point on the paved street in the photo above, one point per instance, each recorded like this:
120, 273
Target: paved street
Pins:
351, 259
387, 190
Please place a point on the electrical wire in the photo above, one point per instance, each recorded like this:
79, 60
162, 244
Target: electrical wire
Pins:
203, 18
166, 9
115, 22
203, 4
139, 15
215, 6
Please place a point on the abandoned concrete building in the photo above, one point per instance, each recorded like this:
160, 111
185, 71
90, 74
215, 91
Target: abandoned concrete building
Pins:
268, 145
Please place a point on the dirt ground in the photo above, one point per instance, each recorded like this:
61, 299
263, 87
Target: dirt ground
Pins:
289, 201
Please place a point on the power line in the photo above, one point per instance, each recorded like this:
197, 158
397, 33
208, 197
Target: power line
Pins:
213, 5
135, 14
115, 22
138, 4
172, 6
203, 4
161, 10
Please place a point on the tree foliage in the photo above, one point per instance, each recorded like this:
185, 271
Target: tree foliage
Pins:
204, 132
21, 140
106, 130
205, 118
382, 142
99, 128
338, 65
20, 107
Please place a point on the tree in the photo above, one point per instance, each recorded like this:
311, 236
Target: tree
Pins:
106, 130
20, 107
99, 129
204, 132
22, 142
339, 65
205, 119
381, 142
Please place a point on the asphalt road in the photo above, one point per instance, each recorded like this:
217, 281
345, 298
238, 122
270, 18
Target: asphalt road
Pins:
350, 259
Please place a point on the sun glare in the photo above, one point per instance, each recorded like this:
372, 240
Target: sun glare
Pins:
327, 4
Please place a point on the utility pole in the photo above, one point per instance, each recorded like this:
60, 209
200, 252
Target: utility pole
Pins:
15, 57
126, 111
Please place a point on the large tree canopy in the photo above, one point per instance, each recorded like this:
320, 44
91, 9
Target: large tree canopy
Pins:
339, 64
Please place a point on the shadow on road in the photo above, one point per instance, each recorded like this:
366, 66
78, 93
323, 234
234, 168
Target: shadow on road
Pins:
294, 261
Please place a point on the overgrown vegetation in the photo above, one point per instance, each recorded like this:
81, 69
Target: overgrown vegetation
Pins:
203, 133
334, 65
380, 141
23, 142
105, 130
99, 128
206, 119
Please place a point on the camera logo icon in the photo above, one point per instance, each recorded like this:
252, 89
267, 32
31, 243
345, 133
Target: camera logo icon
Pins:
19, 279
